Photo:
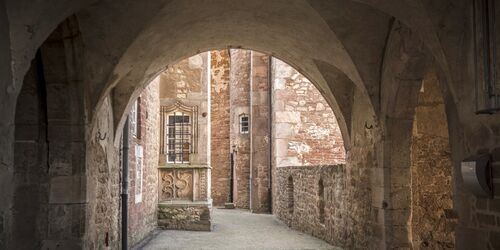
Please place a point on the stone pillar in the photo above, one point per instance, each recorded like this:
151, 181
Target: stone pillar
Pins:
240, 143
260, 133
220, 117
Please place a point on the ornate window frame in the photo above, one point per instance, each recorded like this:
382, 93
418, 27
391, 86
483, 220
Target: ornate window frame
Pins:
165, 112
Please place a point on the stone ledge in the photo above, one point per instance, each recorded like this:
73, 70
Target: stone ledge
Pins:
185, 215
185, 166
183, 203
338, 167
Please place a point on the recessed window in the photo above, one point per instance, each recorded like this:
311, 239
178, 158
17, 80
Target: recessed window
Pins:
321, 201
138, 173
134, 119
289, 194
178, 140
244, 124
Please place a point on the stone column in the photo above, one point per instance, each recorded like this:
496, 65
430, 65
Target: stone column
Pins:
240, 143
260, 133
220, 120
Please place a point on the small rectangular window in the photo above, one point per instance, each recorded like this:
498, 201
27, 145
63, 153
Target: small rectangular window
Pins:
244, 124
134, 119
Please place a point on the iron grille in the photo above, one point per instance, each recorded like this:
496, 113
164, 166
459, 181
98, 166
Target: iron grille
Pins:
178, 141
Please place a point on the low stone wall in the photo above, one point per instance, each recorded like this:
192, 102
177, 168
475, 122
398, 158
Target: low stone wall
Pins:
309, 199
193, 217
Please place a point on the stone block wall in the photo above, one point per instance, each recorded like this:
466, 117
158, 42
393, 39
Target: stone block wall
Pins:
143, 204
260, 125
49, 191
305, 129
184, 188
185, 84
220, 116
193, 217
312, 199
103, 182
240, 71
432, 216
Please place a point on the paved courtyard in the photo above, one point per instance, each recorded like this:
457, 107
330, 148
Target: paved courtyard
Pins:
238, 229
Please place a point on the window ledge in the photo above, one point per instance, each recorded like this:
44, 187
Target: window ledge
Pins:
186, 166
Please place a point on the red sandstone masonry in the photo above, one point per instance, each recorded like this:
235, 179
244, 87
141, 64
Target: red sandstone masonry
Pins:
220, 150
142, 215
260, 134
240, 103
305, 128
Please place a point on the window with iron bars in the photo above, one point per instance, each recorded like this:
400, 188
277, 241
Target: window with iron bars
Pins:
179, 135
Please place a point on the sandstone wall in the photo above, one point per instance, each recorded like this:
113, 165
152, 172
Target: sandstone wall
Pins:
260, 119
143, 205
30, 161
184, 188
432, 217
312, 199
49, 191
103, 184
220, 117
305, 129
240, 104
187, 83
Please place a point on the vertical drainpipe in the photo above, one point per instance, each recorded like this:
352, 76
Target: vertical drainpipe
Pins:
125, 185
270, 91
251, 134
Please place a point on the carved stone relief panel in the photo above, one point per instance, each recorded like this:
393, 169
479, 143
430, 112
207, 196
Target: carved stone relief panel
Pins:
176, 184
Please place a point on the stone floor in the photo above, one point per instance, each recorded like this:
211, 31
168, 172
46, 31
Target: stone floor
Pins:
238, 229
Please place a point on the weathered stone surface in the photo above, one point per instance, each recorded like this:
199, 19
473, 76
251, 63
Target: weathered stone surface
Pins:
305, 122
431, 180
316, 209
143, 194
334, 46
184, 187
239, 77
260, 134
220, 122
195, 217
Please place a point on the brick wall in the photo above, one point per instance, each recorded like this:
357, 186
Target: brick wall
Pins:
142, 210
310, 199
220, 150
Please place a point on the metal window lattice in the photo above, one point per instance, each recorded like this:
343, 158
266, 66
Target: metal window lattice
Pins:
244, 124
178, 138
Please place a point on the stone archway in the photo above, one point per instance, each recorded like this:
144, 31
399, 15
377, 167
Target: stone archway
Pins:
49, 148
116, 75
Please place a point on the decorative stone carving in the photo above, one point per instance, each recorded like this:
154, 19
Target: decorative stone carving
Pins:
203, 184
176, 184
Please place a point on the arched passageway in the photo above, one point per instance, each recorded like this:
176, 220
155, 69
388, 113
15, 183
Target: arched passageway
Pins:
368, 69
227, 123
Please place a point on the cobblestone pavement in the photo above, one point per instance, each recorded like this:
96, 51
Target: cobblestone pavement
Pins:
238, 229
